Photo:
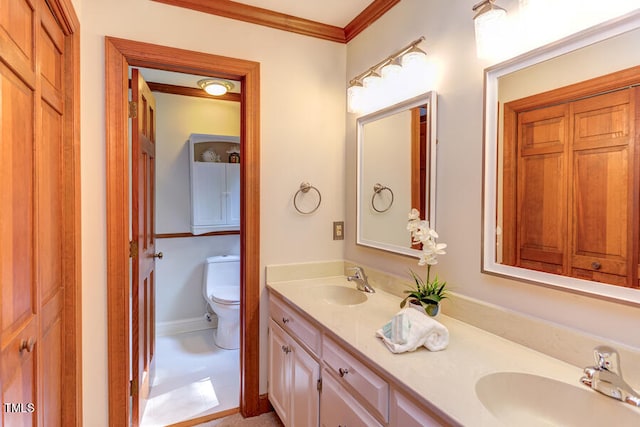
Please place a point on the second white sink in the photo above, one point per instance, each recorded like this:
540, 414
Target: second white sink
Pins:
530, 400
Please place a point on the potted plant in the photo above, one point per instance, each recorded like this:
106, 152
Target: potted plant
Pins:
426, 293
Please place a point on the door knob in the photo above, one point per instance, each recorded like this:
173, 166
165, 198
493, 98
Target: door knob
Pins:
158, 255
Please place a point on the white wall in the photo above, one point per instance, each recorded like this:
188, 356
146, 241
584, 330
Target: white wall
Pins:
448, 28
302, 139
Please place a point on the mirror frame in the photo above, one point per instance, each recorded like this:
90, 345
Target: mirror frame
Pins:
489, 265
429, 98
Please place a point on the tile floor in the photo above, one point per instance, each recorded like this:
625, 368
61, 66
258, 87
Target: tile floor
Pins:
193, 378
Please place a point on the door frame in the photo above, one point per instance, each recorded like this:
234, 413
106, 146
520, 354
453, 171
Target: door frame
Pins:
71, 398
119, 55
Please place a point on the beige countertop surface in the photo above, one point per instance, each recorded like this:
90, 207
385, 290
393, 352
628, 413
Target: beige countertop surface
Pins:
445, 380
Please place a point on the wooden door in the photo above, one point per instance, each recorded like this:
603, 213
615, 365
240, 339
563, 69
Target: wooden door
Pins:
541, 203
602, 188
143, 242
33, 135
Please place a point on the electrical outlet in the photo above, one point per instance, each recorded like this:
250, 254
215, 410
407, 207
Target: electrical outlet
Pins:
338, 230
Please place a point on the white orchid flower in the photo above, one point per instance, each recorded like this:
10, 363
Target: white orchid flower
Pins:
414, 214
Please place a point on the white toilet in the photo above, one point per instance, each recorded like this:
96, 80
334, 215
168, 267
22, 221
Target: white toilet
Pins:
221, 290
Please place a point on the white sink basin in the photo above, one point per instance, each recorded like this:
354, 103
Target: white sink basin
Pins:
530, 400
339, 295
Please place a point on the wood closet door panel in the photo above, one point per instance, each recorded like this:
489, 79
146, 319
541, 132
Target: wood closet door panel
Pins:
541, 189
32, 132
602, 182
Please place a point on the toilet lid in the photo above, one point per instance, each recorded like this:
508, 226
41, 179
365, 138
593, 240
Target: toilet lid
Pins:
226, 295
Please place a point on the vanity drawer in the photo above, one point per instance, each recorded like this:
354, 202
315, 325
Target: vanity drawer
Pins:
363, 380
295, 324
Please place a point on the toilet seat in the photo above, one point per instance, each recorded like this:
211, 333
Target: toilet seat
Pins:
228, 295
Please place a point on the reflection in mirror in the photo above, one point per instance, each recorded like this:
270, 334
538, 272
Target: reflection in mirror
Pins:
396, 172
562, 188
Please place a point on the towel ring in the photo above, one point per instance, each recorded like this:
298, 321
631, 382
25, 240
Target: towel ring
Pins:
304, 188
377, 189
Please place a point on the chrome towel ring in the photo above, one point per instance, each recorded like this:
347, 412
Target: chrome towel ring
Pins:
377, 191
304, 188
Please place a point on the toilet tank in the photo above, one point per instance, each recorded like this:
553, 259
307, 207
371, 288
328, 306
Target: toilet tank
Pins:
221, 271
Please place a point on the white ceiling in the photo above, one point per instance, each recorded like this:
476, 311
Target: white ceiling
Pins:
332, 12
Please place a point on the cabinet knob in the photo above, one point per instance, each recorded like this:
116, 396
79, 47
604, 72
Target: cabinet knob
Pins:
158, 255
596, 265
285, 320
27, 345
343, 371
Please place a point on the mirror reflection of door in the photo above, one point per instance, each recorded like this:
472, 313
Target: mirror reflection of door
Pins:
570, 193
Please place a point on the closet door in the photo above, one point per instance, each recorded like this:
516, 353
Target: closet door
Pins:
602, 187
31, 213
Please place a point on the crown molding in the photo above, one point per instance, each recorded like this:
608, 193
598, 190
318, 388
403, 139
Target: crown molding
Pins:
268, 18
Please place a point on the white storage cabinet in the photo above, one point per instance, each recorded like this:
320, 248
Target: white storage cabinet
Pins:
215, 186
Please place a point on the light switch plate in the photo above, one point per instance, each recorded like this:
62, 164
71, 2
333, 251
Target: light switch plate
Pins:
338, 230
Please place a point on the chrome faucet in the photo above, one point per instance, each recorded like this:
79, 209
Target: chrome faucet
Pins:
362, 282
606, 376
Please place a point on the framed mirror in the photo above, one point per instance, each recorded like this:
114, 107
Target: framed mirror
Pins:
396, 167
561, 183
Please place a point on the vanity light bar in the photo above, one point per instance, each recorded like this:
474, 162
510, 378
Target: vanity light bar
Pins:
391, 59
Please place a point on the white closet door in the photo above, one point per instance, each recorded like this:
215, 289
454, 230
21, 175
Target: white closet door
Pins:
209, 205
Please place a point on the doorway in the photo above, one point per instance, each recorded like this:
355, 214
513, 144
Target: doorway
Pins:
119, 55
195, 369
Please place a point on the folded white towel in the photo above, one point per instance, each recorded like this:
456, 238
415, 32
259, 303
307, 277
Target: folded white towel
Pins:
422, 330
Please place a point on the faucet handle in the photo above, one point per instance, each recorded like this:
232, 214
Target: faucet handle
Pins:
607, 358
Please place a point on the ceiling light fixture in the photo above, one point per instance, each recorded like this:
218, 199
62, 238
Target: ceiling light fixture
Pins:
215, 87
380, 77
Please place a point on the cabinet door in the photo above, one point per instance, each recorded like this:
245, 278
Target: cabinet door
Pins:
405, 413
339, 408
208, 193
279, 372
233, 193
304, 392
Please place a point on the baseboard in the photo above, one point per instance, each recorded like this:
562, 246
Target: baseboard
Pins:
185, 325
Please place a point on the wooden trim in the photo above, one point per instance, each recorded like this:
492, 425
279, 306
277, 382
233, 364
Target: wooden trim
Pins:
265, 405
72, 404
206, 418
191, 91
119, 55
264, 17
293, 24
179, 235
597, 85
367, 17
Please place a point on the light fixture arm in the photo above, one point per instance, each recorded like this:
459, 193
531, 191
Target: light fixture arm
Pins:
387, 59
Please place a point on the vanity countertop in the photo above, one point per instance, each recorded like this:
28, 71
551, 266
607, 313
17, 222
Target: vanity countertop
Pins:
446, 379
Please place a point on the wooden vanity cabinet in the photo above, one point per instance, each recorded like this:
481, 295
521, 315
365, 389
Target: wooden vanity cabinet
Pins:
339, 408
316, 381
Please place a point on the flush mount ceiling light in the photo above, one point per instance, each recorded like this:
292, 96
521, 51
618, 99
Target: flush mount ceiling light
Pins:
381, 79
215, 87
489, 22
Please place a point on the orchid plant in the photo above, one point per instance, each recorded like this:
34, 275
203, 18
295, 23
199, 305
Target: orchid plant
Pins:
427, 293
